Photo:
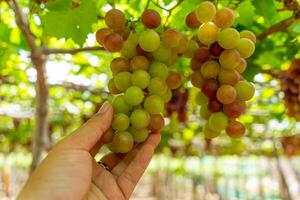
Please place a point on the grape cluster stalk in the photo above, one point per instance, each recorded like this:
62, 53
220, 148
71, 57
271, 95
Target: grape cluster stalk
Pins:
143, 79
218, 58
290, 84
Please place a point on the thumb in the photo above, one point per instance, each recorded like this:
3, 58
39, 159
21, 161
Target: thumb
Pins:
90, 133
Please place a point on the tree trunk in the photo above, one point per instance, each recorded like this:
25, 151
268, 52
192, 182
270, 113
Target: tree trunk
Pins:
40, 140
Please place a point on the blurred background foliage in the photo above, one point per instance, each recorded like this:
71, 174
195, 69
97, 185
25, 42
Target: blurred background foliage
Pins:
77, 81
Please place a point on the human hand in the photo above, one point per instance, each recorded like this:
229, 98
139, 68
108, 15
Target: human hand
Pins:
71, 172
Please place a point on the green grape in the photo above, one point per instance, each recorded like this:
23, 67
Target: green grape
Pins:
204, 112
248, 34
173, 59
210, 69
139, 135
228, 38
154, 104
140, 78
224, 18
140, 118
108, 136
201, 99
242, 66
158, 69
230, 77
205, 12
128, 49
245, 47
122, 142
120, 105
192, 47
149, 40
218, 121
119, 64
162, 54
230, 59
134, 95
122, 81
133, 38
208, 33
226, 94
157, 122
120, 122
174, 80
112, 87
167, 96
245, 90
209, 133
157, 86
139, 62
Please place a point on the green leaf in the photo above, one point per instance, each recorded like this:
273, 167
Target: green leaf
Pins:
58, 5
267, 9
74, 23
246, 13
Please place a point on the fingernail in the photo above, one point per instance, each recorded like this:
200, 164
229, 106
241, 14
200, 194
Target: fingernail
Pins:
104, 107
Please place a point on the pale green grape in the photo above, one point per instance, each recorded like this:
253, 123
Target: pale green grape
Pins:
167, 96
120, 122
245, 90
154, 104
204, 112
122, 142
228, 38
218, 121
201, 99
162, 54
158, 69
120, 105
128, 49
157, 86
139, 135
134, 95
248, 34
140, 118
140, 78
149, 40
122, 81
245, 47
209, 133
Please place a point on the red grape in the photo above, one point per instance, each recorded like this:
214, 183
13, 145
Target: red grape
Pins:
210, 87
234, 109
113, 42
235, 129
214, 105
215, 49
192, 21
101, 34
202, 54
115, 19
151, 19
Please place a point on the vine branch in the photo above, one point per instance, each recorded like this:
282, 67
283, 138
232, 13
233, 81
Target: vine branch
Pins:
22, 23
281, 26
48, 51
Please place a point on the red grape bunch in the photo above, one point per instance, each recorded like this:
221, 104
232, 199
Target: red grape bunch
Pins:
218, 59
142, 80
290, 84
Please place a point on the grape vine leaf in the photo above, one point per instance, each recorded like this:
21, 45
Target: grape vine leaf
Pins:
246, 13
66, 21
267, 9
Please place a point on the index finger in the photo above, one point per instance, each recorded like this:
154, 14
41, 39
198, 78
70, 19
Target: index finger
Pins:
131, 175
